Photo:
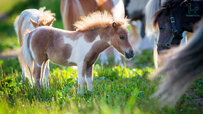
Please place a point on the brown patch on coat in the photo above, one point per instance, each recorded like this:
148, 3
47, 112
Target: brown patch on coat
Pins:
91, 35
89, 71
48, 43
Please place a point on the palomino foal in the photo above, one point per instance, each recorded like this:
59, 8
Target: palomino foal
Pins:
30, 19
27, 21
94, 33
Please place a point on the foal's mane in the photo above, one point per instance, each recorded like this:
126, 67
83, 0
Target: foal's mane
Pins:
46, 16
98, 20
168, 4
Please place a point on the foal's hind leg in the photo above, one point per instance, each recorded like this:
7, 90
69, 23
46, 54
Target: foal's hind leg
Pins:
37, 74
42, 74
46, 73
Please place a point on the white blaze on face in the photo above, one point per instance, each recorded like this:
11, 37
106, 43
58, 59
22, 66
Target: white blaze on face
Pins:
80, 48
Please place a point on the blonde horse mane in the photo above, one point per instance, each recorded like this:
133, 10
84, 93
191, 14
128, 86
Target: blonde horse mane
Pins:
47, 16
98, 20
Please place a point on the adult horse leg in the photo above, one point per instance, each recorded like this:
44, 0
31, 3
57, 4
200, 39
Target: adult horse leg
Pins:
103, 58
117, 58
89, 78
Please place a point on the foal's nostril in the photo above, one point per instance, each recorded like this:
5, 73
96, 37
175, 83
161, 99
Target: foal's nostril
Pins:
130, 54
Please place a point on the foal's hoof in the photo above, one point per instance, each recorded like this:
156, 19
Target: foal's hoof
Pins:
80, 92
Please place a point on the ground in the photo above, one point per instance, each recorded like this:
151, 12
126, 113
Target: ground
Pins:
116, 89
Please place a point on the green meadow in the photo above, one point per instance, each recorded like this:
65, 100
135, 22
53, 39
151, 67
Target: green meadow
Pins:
115, 89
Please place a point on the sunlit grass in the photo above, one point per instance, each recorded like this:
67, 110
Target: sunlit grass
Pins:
116, 90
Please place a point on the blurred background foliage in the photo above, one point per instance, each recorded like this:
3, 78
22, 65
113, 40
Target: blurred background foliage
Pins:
10, 9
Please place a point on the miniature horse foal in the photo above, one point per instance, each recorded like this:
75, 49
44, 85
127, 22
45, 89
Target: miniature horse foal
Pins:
94, 33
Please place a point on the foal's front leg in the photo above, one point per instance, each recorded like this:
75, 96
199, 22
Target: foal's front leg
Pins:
81, 79
89, 78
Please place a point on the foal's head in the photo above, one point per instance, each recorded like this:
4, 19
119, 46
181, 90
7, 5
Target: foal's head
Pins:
46, 18
120, 40
112, 31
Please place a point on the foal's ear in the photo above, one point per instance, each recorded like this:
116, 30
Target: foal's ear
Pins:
34, 23
114, 25
50, 22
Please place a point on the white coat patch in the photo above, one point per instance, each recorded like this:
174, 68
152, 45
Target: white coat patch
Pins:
80, 48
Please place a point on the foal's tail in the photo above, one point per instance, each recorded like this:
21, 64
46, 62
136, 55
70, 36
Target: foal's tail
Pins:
182, 69
17, 25
25, 51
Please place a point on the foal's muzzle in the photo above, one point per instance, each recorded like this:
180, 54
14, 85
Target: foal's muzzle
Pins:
129, 54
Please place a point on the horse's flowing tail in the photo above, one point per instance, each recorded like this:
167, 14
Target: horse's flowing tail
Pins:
25, 51
17, 25
182, 69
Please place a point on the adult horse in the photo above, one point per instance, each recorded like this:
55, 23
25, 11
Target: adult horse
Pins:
175, 17
172, 19
94, 33
184, 65
72, 10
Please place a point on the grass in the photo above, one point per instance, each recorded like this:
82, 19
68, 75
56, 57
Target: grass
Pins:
116, 89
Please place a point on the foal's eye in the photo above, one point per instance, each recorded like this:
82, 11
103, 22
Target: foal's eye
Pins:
122, 37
